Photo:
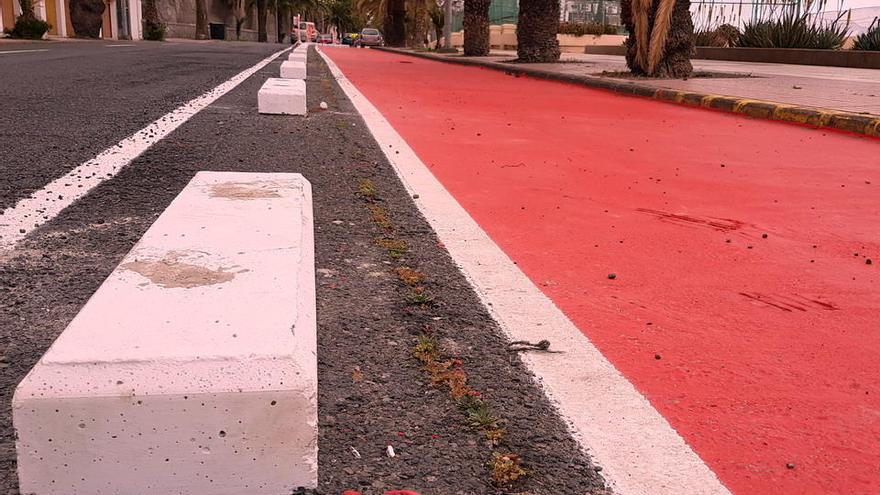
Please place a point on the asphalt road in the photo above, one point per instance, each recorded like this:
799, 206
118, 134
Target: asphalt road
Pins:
373, 392
62, 106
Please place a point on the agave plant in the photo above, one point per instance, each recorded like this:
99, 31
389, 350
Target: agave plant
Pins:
870, 39
796, 28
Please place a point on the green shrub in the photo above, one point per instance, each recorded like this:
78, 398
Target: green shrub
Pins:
29, 28
795, 29
154, 31
585, 28
869, 40
723, 35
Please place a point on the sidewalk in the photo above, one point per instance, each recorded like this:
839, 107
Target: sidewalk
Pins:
832, 88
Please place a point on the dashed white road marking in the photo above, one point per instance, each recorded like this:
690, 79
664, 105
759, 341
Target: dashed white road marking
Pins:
116, 46
43, 205
639, 451
7, 52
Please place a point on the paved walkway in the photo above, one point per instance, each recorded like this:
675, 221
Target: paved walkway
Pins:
834, 88
743, 299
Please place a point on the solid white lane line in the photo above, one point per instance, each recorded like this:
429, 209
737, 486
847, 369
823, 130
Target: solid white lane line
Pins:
23, 51
43, 205
639, 451
114, 46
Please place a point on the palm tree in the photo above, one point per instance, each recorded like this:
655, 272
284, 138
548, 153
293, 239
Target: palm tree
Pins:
240, 9
201, 20
153, 28
661, 39
536, 31
476, 28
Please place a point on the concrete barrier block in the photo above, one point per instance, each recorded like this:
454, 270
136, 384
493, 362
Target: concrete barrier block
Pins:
192, 369
282, 96
301, 56
293, 69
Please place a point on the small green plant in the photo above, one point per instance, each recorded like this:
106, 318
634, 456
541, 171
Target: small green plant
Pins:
420, 296
409, 276
870, 39
722, 36
380, 216
29, 28
506, 468
427, 349
367, 189
396, 248
154, 31
479, 415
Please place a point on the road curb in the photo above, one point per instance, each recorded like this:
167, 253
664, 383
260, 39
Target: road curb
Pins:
760, 109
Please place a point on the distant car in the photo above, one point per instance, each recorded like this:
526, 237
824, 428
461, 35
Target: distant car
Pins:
350, 38
326, 39
370, 37
306, 32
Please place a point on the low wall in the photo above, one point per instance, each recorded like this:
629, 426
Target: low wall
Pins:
504, 38
794, 56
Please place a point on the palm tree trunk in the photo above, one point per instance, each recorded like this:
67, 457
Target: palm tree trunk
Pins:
476, 28
262, 14
661, 42
395, 23
536, 31
201, 20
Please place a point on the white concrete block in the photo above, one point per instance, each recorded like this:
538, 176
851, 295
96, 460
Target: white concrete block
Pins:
301, 56
282, 96
192, 369
293, 69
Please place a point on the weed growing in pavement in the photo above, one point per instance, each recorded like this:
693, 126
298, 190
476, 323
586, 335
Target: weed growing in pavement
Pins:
367, 189
396, 248
409, 276
505, 468
419, 296
443, 371
380, 216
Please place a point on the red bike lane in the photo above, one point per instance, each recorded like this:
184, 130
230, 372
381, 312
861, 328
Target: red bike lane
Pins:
744, 303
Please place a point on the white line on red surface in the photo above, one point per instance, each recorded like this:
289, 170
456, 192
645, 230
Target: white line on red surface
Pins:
639, 451
43, 205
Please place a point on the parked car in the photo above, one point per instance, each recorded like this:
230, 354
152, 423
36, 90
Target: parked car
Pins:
307, 32
349, 38
370, 37
326, 39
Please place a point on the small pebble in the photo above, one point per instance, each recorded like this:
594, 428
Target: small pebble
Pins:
789, 465
612, 276
868, 261
415, 196
657, 357
323, 105
763, 236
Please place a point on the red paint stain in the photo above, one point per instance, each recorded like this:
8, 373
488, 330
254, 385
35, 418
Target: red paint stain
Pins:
750, 382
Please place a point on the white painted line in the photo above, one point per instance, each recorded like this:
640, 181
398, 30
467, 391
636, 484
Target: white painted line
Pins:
23, 51
193, 368
43, 205
639, 451
115, 46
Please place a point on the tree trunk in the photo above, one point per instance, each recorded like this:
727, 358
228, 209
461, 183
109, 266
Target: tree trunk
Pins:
86, 17
27, 9
279, 33
662, 39
418, 23
201, 20
536, 31
476, 28
395, 23
262, 14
